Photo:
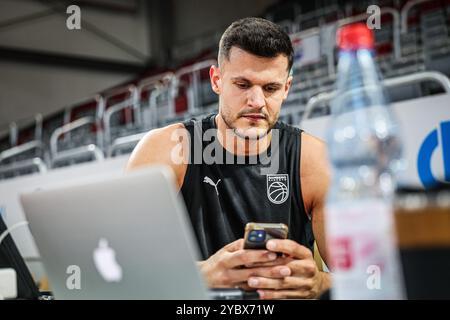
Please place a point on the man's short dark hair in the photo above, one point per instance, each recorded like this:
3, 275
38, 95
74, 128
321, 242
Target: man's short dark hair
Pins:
257, 36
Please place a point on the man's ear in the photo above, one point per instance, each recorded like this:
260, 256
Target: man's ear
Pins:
214, 75
287, 86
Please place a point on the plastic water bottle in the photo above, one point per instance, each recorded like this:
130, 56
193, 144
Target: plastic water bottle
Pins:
364, 150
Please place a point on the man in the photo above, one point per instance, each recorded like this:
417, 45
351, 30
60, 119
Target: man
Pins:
252, 80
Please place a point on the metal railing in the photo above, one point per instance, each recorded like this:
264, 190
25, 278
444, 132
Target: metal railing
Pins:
36, 163
13, 134
124, 141
67, 128
157, 85
361, 17
15, 127
132, 100
194, 102
99, 111
405, 11
435, 76
18, 150
76, 153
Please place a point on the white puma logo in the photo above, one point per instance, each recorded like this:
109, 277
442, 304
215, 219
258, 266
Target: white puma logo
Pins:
209, 181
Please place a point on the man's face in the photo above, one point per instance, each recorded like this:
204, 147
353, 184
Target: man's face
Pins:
251, 90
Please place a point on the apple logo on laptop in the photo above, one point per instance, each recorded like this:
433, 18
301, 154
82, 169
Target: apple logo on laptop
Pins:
106, 263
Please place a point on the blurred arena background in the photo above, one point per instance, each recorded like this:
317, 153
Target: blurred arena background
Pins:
70, 96
88, 95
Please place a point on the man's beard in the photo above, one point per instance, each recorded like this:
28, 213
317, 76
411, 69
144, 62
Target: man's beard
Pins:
229, 123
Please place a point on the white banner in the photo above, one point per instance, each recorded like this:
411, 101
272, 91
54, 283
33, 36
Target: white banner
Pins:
425, 134
327, 38
306, 49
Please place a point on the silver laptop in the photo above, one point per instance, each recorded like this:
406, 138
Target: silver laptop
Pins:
123, 237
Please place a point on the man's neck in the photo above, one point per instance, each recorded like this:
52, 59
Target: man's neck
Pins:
238, 145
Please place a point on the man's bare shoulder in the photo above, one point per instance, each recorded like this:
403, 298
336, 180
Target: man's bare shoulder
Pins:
314, 156
314, 170
167, 145
162, 136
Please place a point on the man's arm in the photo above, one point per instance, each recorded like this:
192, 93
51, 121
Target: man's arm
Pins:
168, 146
315, 179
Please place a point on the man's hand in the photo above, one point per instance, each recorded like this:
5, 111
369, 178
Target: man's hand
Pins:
303, 280
226, 268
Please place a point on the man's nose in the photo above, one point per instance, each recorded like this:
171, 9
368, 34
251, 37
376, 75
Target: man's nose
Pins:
256, 98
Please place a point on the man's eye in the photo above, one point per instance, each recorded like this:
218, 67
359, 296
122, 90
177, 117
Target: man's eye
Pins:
242, 85
270, 89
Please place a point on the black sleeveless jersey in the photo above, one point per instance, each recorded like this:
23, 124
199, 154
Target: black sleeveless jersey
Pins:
221, 196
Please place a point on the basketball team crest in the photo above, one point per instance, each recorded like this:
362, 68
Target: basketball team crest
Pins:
277, 188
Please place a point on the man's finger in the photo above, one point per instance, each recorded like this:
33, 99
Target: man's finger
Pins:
278, 262
303, 268
245, 257
289, 247
235, 245
242, 275
266, 283
277, 284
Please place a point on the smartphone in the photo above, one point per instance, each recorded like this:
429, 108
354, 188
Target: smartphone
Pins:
257, 234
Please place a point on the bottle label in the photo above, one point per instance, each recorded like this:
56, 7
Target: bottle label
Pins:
362, 250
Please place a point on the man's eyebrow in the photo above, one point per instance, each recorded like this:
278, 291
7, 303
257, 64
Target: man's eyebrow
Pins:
240, 79
277, 84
